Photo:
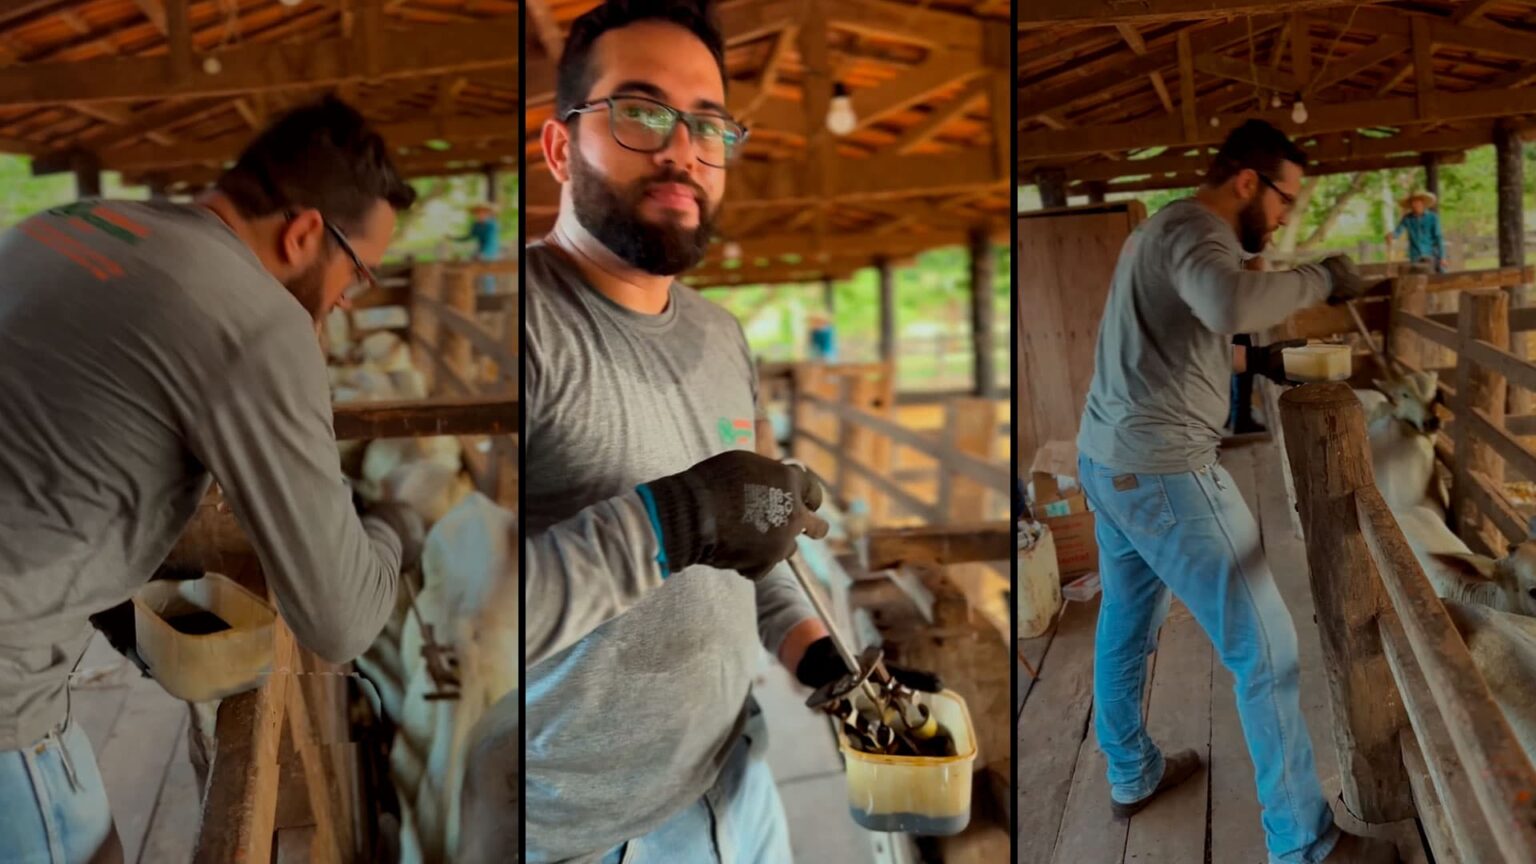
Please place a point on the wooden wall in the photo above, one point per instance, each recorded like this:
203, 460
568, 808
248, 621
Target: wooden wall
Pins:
1065, 259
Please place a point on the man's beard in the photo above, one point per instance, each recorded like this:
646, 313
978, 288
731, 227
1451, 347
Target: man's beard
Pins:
308, 287
1252, 226
613, 217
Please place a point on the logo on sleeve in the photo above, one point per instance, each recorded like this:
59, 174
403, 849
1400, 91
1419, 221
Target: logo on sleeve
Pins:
735, 433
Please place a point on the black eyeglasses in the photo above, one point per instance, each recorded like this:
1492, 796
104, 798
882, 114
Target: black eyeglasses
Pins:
365, 277
645, 125
1288, 200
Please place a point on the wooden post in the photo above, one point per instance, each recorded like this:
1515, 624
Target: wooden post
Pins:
157, 185
87, 169
1484, 315
426, 284
1432, 174
1409, 295
982, 303
1509, 151
829, 298
1096, 191
1052, 183
970, 427
887, 310
1326, 442
492, 187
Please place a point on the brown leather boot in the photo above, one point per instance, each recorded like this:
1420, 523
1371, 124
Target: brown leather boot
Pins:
1354, 849
1176, 769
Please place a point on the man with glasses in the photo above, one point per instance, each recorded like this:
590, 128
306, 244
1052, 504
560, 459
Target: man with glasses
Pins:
643, 742
1169, 518
145, 349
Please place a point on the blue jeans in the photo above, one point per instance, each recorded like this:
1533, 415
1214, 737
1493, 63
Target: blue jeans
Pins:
738, 821
53, 806
1192, 534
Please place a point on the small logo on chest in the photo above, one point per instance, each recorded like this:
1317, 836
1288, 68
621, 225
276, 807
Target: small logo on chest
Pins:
734, 433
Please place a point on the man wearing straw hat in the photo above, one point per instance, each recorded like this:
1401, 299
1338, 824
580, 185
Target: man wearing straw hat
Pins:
1423, 226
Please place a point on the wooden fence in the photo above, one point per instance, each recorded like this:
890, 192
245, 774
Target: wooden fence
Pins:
465, 341
1416, 726
467, 344
844, 428
1470, 350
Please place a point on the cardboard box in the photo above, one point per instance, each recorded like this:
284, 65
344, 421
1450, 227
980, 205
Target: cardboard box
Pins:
1066, 512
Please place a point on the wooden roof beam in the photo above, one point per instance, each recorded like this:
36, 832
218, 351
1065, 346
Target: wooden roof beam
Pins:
1033, 102
752, 101
1343, 166
1386, 47
252, 67
1301, 51
1423, 69
809, 272
906, 22
154, 10
1138, 46
1038, 13
409, 133
545, 26
1332, 117
118, 117
929, 128
1237, 70
1472, 11
940, 71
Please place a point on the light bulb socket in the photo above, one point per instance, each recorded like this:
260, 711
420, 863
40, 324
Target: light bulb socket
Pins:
839, 91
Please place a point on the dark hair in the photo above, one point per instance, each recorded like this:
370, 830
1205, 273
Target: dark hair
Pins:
574, 77
323, 156
1256, 145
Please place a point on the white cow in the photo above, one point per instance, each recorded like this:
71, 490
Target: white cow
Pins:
1401, 423
1503, 648
1508, 584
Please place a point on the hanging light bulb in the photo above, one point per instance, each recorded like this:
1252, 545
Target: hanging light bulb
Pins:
290, 3
1215, 121
1299, 111
212, 66
840, 117
1274, 101
732, 250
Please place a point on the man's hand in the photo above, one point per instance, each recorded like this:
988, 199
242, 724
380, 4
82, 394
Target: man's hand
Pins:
1346, 281
1267, 360
821, 665
735, 511
407, 525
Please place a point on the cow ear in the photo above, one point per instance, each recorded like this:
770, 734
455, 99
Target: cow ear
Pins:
1380, 385
1478, 567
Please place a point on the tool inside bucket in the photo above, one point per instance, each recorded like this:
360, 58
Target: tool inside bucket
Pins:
881, 715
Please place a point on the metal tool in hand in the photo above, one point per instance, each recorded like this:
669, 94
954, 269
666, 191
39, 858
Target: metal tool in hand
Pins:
441, 660
868, 672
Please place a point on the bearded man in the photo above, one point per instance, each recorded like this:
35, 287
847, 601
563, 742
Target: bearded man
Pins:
643, 743
1170, 519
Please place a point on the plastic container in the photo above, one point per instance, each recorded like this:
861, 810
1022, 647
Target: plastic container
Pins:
915, 794
198, 667
1318, 362
1038, 586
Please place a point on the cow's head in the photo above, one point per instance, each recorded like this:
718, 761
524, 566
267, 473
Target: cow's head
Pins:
1413, 397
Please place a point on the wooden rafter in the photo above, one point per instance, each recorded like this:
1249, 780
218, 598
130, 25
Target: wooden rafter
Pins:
154, 10
545, 26
924, 132
1056, 12
251, 67
1334, 117
940, 71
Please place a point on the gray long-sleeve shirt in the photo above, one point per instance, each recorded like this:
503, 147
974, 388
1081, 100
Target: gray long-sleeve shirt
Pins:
143, 347
1160, 392
635, 685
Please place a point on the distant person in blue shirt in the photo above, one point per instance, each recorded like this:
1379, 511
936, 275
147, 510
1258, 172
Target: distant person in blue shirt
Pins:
485, 233
1423, 226
823, 343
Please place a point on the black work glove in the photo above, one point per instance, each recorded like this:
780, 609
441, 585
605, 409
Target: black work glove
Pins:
407, 525
735, 511
1346, 280
1268, 361
822, 665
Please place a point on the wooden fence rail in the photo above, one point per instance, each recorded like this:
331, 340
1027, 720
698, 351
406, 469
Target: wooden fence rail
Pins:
1416, 726
844, 412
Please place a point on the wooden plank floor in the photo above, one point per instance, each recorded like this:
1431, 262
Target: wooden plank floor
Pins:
138, 732
1063, 797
